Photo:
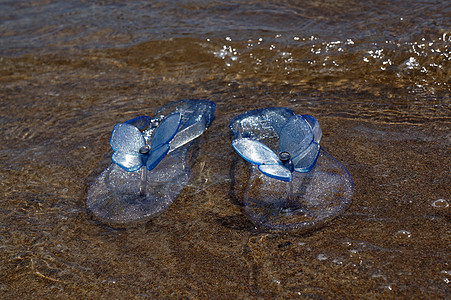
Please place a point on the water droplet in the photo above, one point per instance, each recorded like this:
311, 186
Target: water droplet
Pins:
402, 235
379, 276
440, 203
322, 257
411, 64
447, 274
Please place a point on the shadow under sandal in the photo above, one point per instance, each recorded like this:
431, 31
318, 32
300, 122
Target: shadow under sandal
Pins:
149, 168
293, 184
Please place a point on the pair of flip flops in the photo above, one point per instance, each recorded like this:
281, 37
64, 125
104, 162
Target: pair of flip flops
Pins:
298, 188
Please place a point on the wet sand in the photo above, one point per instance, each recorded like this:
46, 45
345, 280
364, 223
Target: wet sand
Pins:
58, 110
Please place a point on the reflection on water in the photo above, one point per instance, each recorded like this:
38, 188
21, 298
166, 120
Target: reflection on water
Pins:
375, 74
400, 43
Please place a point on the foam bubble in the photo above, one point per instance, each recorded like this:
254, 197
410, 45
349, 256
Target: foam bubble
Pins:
321, 257
402, 235
440, 203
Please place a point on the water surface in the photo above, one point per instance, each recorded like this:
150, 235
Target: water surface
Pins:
375, 74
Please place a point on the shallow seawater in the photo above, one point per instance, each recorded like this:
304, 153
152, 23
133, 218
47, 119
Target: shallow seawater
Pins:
376, 74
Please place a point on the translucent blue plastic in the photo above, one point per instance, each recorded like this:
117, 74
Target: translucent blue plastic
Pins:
278, 172
296, 140
141, 122
255, 152
166, 130
127, 141
156, 155
296, 136
125, 194
314, 124
311, 198
306, 160
163, 134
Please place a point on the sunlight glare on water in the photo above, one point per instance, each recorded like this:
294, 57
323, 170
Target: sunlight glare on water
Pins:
375, 74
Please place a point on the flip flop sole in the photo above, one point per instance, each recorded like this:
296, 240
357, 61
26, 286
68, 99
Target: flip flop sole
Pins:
122, 199
309, 201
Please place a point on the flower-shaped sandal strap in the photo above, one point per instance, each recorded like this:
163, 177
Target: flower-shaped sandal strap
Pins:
188, 134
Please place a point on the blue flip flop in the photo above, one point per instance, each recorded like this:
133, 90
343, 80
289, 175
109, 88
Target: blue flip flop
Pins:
149, 168
294, 184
